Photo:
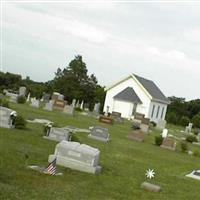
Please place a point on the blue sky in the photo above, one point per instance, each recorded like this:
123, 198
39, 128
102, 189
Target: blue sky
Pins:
157, 40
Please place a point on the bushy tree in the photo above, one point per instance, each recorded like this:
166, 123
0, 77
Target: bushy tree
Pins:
74, 82
196, 120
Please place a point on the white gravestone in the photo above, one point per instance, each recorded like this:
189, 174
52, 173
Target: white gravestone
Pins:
22, 91
48, 106
77, 156
6, 117
13, 97
74, 102
82, 105
99, 133
58, 134
35, 103
161, 124
164, 133
188, 128
69, 109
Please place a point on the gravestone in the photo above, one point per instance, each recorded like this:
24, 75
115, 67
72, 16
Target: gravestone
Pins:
22, 91
161, 124
77, 104
136, 124
6, 117
59, 105
150, 187
137, 135
48, 106
74, 103
96, 108
144, 126
82, 105
86, 106
139, 116
104, 119
46, 97
194, 174
13, 97
188, 129
58, 134
35, 103
28, 97
117, 117
99, 133
168, 143
77, 156
69, 109
164, 133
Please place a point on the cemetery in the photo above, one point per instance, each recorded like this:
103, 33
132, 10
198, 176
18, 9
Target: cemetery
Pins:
119, 164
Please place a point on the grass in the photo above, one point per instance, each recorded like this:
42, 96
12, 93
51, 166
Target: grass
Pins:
123, 162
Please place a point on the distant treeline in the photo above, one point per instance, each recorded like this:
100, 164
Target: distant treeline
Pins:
73, 82
181, 112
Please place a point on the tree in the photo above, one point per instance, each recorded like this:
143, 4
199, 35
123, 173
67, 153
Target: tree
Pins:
74, 82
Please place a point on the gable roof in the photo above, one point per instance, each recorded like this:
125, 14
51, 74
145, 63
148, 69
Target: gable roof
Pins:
152, 89
128, 94
149, 87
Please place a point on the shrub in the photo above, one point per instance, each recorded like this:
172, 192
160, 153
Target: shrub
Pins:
184, 146
172, 118
158, 140
153, 123
196, 120
21, 99
196, 131
4, 103
74, 138
191, 138
78, 109
184, 121
19, 122
196, 153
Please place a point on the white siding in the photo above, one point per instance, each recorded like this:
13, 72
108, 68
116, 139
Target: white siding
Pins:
125, 108
156, 116
143, 108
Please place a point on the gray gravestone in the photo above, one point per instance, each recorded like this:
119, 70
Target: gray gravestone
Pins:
57, 134
69, 109
48, 106
99, 133
46, 97
22, 91
96, 108
76, 156
5, 117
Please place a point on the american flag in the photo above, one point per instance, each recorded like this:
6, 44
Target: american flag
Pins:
51, 169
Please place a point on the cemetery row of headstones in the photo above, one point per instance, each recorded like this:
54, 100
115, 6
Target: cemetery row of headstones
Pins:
14, 96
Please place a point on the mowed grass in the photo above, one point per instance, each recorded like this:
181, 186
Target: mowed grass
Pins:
123, 162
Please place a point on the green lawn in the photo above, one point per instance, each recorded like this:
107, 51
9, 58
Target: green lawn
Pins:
123, 162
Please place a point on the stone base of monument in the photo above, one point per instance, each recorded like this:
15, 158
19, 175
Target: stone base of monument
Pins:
73, 164
150, 187
98, 138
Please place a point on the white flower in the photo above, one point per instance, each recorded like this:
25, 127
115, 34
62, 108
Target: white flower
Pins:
150, 173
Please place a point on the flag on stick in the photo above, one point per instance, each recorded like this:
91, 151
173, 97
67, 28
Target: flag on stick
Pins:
51, 169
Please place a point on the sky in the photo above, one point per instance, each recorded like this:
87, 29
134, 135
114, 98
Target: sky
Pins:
159, 41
